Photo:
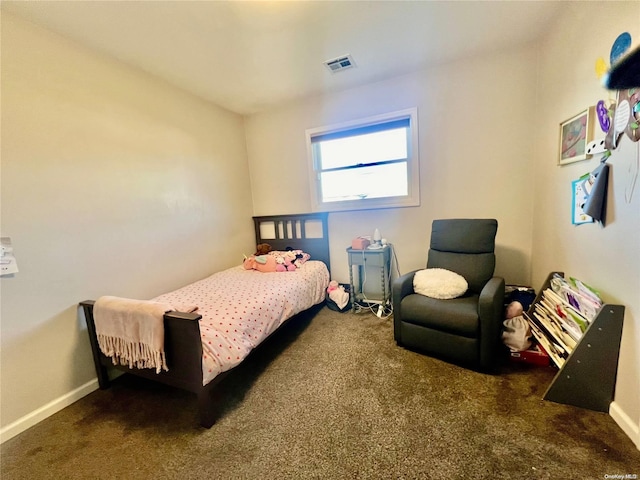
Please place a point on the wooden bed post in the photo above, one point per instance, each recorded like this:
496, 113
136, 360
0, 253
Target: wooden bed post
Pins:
206, 408
101, 370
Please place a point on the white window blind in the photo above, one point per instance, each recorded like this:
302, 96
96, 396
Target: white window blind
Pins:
369, 163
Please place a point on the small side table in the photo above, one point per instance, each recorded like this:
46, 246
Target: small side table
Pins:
359, 259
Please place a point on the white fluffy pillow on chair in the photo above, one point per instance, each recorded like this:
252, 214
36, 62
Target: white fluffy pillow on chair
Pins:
439, 283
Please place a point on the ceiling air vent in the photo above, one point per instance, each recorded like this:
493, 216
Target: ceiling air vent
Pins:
340, 63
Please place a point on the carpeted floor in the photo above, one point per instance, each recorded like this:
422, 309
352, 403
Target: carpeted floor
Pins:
331, 397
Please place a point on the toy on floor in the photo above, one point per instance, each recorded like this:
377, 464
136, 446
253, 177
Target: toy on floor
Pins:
514, 309
338, 294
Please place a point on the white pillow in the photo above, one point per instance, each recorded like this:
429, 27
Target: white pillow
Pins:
439, 283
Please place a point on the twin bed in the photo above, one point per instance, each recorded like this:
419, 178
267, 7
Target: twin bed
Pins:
237, 310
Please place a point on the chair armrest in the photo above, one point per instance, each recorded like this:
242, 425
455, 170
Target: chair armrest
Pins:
491, 313
401, 287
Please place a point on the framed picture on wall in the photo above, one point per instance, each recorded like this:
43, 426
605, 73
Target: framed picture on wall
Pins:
575, 134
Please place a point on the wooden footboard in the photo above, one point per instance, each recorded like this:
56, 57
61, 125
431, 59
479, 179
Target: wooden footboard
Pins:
183, 350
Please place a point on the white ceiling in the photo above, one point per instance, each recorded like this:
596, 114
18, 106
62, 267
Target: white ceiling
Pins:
248, 56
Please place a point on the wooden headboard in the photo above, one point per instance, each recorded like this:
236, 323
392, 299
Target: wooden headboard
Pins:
307, 231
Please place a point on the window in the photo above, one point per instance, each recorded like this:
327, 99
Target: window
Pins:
369, 163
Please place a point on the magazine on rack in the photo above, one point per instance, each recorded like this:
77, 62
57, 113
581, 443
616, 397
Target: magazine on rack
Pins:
582, 299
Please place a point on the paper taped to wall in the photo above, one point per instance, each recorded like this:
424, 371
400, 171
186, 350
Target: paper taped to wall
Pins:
8, 264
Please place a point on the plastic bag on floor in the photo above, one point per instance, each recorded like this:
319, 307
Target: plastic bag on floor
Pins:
517, 334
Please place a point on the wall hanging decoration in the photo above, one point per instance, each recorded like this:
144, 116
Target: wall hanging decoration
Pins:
604, 118
580, 192
575, 134
625, 67
596, 201
627, 116
625, 73
597, 146
623, 76
617, 118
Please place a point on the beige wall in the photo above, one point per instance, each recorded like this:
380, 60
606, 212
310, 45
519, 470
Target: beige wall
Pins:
112, 183
607, 258
476, 153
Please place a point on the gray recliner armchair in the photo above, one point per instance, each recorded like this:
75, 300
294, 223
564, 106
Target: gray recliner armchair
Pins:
464, 330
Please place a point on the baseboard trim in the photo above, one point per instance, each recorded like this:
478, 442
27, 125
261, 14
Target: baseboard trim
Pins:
625, 423
47, 410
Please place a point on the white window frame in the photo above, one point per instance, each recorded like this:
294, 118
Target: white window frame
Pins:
412, 199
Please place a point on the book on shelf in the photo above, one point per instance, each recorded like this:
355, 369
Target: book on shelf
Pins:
554, 351
557, 314
561, 316
583, 299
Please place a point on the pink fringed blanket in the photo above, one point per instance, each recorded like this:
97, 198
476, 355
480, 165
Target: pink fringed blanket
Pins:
131, 332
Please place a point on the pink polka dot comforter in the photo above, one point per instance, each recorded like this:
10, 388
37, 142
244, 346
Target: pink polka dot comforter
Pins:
240, 308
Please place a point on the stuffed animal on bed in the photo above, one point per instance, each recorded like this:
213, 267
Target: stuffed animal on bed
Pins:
261, 263
275, 261
263, 249
298, 257
284, 264
261, 260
